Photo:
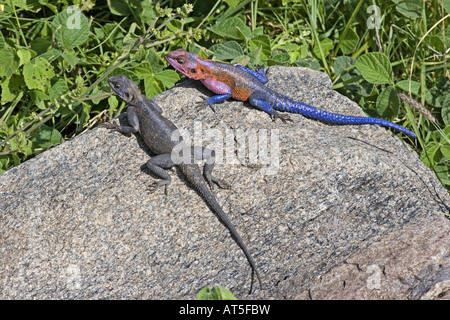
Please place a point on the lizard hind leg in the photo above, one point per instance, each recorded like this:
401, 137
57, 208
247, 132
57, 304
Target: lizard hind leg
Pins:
202, 153
259, 101
157, 165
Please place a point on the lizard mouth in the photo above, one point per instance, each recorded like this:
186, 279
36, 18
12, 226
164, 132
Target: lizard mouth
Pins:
174, 63
116, 88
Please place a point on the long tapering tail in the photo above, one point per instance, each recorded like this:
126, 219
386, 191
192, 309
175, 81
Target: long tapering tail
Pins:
194, 176
284, 104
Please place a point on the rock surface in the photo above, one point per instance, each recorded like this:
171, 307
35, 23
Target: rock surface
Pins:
331, 212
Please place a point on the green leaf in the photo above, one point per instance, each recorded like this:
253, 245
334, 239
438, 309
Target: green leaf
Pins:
375, 68
25, 55
231, 28
227, 51
326, 44
442, 172
445, 112
9, 62
28, 5
434, 154
343, 63
167, 77
71, 59
232, 3
58, 88
388, 103
119, 7
409, 8
2, 41
143, 69
41, 45
216, 293
349, 43
130, 39
51, 55
366, 88
38, 73
447, 5
255, 55
71, 28
11, 87
438, 95
263, 42
113, 104
46, 137
279, 56
155, 61
151, 86
245, 32
308, 63
445, 149
437, 42
404, 85
242, 60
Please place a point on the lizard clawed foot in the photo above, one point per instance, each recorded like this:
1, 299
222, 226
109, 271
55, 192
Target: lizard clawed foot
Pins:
111, 125
220, 183
153, 187
282, 117
258, 67
156, 185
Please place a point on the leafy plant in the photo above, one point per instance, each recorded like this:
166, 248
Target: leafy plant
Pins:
53, 66
215, 293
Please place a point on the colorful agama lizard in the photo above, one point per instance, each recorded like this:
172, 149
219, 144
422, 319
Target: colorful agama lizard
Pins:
245, 84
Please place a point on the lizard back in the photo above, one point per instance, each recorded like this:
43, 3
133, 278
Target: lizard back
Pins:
156, 130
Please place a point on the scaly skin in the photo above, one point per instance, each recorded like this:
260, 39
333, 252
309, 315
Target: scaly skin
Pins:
145, 116
244, 84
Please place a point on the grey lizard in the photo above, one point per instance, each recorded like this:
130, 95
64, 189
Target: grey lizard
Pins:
145, 116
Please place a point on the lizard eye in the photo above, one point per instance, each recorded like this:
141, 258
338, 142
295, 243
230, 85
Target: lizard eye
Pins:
192, 71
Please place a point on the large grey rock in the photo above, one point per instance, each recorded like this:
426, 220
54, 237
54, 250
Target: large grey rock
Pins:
350, 212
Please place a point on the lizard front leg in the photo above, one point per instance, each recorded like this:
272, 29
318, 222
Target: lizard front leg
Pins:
259, 73
133, 122
223, 90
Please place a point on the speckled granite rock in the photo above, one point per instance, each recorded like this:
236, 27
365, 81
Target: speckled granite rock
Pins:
338, 212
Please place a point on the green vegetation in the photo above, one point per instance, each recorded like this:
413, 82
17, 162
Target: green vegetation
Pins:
391, 57
216, 293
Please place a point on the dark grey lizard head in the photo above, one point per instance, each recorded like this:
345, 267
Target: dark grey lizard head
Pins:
125, 88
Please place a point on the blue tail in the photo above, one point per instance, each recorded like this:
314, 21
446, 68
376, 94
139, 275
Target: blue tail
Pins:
283, 104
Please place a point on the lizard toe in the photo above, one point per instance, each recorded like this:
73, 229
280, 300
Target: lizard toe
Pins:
222, 184
110, 125
284, 118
